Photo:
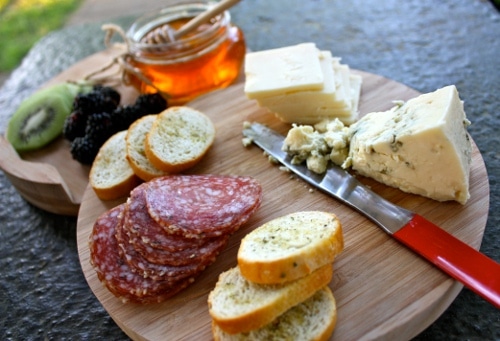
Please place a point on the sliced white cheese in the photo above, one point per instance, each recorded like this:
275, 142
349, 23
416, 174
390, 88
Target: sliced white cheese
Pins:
281, 70
338, 98
301, 84
421, 147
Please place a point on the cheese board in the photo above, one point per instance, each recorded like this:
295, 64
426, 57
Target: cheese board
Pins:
382, 289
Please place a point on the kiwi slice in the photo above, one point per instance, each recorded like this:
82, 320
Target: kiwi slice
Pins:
40, 118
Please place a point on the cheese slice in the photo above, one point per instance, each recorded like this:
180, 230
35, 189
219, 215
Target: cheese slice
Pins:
301, 84
421, 147
281, 70
338, 98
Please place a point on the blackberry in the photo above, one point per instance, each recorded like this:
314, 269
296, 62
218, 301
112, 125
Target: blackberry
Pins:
100, 127
74, 125
109, 92
125, 115
98, 100
151, 103
84, 150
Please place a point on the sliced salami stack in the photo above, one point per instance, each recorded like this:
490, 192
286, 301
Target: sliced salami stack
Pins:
169, 230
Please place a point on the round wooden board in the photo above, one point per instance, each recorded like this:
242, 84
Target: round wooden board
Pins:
382, 289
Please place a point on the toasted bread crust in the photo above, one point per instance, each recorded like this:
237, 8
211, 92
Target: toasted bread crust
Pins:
178, 139
296, 260
319, 312
136, 156
111, 176
119, 190
262, 310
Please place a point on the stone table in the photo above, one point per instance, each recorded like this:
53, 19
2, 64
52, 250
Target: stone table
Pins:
424, 44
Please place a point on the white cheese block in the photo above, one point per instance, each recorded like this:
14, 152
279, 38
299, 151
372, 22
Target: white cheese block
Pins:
339, 97
421, 147
284, 83
281, 70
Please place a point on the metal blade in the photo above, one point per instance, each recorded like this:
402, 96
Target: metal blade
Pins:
336, 182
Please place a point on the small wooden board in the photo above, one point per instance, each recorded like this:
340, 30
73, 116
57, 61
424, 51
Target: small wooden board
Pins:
49, 178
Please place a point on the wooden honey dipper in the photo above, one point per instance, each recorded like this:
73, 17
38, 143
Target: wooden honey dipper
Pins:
165, 34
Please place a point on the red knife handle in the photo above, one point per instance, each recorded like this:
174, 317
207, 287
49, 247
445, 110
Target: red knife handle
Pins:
467, 265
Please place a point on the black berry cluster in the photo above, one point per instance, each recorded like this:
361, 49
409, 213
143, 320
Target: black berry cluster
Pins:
97, 115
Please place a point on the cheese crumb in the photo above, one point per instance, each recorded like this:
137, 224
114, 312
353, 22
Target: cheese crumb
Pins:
326, 141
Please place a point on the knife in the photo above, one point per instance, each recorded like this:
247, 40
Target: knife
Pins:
462, 262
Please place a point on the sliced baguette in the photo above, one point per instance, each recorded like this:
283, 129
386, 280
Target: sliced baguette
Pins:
290, 247
111, 176
239, 306
179, 138
313, 319
136, 154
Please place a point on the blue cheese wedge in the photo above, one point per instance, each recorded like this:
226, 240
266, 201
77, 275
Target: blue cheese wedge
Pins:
301, 84
420, 147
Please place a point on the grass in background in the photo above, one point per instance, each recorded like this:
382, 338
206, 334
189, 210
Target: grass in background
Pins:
23, 22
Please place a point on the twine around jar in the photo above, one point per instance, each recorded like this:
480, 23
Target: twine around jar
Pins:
122, 61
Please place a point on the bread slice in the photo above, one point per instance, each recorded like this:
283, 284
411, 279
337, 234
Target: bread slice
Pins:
290, 247
313, 319
179, 138
239, 306
111, 176
136, 154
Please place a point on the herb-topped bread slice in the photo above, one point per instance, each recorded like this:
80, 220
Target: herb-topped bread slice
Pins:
290, 247
111, 176
136, 153
239, 306
178, 139
313, 319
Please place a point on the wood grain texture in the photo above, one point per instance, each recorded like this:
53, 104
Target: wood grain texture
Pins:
382, 289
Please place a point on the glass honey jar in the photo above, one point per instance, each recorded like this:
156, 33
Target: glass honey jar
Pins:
206, 59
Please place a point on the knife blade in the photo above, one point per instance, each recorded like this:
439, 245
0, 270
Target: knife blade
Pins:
475, 270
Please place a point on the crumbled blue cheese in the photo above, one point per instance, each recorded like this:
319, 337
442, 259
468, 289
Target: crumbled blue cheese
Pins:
317, 146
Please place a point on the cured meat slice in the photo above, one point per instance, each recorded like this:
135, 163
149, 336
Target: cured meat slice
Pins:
159, 272
184, 257
140, 224
158, 247
116, 274
168, 232
202, 205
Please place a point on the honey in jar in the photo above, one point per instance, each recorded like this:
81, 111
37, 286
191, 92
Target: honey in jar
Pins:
209, 58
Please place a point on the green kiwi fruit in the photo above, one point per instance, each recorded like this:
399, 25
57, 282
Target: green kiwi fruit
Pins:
40, 118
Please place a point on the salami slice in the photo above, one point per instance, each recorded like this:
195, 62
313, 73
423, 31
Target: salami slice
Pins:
198, 206
115, 273
171, 249
168, 232
142, 226
158, 272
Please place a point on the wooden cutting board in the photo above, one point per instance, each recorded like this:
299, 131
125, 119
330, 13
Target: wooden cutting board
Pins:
383, 290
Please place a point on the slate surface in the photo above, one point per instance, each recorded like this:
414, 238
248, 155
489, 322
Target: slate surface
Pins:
424, 44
